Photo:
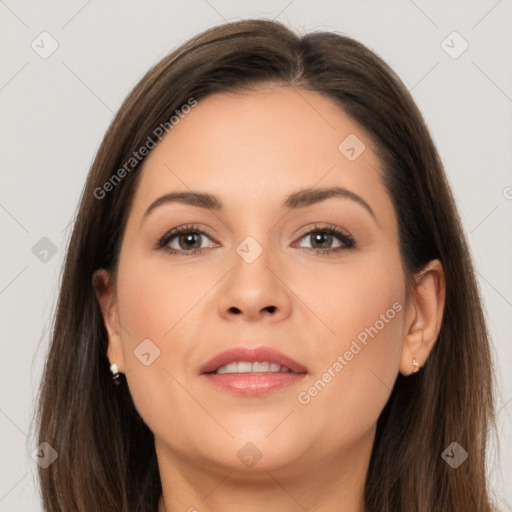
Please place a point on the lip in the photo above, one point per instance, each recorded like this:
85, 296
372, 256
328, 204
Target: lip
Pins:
252, 383
251, 355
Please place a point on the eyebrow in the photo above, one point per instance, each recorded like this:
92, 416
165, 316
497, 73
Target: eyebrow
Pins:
296, 200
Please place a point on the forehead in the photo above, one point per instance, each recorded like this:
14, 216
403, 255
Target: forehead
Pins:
260, 146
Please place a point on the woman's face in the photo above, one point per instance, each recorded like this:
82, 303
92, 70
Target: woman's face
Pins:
271, 273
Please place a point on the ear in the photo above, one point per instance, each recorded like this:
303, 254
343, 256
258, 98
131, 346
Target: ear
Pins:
423, 316
105, 293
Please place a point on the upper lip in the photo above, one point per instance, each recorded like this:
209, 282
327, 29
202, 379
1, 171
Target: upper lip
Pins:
251, 355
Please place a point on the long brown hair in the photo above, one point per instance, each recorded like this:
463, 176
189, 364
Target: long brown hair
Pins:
106, 456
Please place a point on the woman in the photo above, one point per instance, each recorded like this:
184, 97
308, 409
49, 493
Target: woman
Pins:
268, 301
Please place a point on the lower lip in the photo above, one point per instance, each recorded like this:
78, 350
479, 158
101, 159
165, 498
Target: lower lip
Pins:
253, 383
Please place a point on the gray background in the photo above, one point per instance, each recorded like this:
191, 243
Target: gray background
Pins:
55, 111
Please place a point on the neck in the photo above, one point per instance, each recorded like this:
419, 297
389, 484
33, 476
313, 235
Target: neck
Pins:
320, 484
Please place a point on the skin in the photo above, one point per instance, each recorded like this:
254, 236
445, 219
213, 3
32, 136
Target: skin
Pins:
252, 150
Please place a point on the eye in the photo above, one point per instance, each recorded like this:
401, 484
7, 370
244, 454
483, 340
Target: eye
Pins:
322, 237
190, 239
184, 239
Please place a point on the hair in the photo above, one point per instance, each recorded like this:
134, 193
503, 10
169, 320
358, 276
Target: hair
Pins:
106, 455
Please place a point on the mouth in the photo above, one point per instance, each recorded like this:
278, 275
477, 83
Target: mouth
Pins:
248, 367
252, 371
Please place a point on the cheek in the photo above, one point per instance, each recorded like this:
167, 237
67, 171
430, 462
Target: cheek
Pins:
154, 297
358, 363
353, 299
153, 302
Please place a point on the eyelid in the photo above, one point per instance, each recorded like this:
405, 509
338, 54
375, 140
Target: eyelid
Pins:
341, 233
163, 241
319, 226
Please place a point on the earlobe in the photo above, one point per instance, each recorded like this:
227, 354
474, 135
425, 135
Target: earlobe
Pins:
424, 315
105, 295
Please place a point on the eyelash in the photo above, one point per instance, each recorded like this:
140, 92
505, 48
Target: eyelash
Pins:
347, 240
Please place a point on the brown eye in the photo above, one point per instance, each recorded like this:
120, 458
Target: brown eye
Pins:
321, 240
184, 239
189, 240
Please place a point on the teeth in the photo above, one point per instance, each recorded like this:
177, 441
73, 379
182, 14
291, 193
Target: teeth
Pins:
246, 367
228, 368
260, 367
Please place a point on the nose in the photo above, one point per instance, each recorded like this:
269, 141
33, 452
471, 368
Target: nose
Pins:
256, 291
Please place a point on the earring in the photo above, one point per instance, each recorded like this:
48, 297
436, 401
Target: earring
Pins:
115, 373
416, 365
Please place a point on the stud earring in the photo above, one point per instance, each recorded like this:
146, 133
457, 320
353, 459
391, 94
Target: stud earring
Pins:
416, 365
115, 373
